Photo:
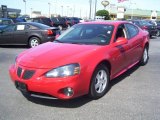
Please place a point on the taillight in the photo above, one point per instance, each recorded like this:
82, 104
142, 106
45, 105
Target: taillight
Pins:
52, 23
144, 27
66, 23
49, 32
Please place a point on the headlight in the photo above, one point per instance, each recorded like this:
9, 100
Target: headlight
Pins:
67, 70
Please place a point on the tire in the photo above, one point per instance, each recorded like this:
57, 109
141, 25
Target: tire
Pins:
68, 26
34, 41
145, 56
99, 82
158, 33
60, 27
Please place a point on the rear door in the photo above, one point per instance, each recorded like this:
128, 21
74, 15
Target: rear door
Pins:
135, 40
6, 36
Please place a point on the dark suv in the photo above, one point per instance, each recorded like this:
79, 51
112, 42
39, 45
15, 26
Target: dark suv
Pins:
43, 20
59, 22
145, 25
75, 20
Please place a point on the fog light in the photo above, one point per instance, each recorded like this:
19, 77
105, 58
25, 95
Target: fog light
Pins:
68, 91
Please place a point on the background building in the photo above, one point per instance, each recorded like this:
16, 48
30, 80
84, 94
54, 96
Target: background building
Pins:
133, 13
9, 12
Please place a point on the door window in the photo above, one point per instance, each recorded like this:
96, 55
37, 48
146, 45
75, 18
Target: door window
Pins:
10, 28
132, 30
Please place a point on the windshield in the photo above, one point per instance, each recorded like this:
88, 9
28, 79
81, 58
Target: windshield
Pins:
143, 23
87, 34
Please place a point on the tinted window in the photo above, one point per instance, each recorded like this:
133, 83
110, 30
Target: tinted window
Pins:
143, 23
5, 22
31, 27
88, 34
39, 25
132, 30
9, 28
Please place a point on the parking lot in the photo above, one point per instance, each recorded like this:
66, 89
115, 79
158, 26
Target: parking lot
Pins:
134, 95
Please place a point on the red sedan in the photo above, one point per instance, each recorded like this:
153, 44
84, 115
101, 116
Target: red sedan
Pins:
83, 60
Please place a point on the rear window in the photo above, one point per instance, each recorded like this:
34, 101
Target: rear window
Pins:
143, 23
46, 19
5, 22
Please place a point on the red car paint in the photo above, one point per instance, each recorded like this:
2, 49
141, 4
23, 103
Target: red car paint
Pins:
48, 56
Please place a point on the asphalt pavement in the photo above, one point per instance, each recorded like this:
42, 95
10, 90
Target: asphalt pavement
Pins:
134, 95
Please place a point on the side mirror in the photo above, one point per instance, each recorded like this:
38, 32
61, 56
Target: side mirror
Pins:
121, 41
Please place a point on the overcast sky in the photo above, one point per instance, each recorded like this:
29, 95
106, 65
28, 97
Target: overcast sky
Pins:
79, 8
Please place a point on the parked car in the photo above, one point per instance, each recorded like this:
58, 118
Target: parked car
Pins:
15, 20
145, 25
158, 27
31, 34
83, 60
75, 20
70, 22
4, 22
43, 20
59, 22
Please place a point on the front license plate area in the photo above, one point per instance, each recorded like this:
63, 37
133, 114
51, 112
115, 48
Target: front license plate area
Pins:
21, 86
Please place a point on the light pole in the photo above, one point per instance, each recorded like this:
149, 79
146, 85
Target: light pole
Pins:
31, 12
67, 11
95, 9
90, 6
62, 10
49, 4
25, 5
131, 4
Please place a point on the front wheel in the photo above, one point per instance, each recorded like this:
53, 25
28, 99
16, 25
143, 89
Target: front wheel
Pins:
145, 57
99, 82
33, 42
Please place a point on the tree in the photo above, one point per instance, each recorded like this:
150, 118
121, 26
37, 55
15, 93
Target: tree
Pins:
104, 13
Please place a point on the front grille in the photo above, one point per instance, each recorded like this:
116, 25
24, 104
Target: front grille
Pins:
28, 74
19, 71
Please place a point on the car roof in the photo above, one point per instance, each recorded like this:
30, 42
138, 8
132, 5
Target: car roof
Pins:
5, 19
109, 22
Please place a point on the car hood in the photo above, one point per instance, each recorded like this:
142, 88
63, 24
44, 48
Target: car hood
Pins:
51, 55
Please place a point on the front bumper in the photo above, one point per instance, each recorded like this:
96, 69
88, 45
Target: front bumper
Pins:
54, 87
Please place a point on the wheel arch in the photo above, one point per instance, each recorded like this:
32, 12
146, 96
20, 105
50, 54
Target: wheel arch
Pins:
146, 45
33, 36
104, 62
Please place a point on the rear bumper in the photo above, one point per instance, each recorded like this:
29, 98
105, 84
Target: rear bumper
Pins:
48, 39
152, 32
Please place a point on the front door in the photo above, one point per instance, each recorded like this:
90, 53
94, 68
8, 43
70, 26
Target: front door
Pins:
6, 35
